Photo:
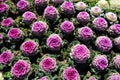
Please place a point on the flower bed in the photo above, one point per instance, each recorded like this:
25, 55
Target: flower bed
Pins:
59, 40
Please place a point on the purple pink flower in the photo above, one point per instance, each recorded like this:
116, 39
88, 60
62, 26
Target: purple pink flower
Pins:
41, 3
39, 27
57, 1
29, 17
6, 57
2, 1
80, 6
44, 78
23, 5
117, 42
67, 27
7, 22
67, 7
70, 73
29, 47
51, 13
14, 34
48, 64
80, 53
116, 61
100, 62
83, 17
54, 42
20, 69
103, 43
114, 76
92, 78
3, 7
100, 24
111, 16
114, 29
85, 33
96, 11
